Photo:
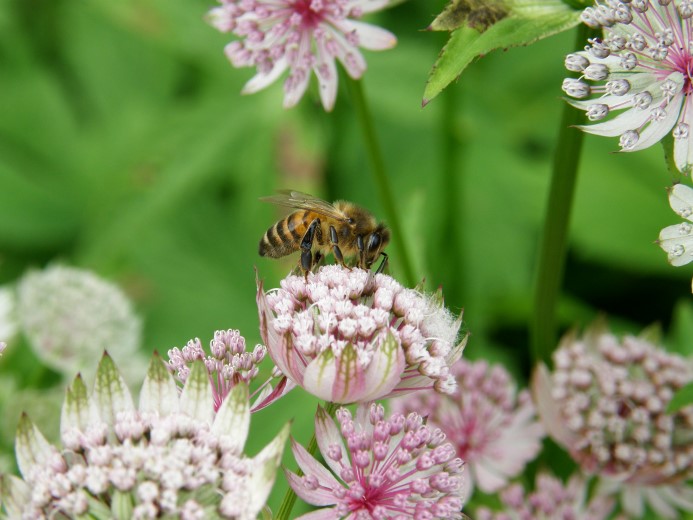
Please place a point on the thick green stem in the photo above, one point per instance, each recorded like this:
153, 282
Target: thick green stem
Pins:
381, 180
554, 238
290, 497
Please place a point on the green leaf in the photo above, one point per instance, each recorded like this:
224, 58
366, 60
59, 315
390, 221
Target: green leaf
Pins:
523, 26
681, 399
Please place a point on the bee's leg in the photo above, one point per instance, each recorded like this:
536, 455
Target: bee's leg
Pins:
317, 258
362, 258
383, 264
307, 246
335, 247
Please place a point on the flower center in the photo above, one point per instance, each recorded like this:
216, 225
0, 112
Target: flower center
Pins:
310, 12
682, 61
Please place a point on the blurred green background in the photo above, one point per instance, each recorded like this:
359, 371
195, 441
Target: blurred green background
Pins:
126, 148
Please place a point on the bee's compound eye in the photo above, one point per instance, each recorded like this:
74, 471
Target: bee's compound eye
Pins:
373, 242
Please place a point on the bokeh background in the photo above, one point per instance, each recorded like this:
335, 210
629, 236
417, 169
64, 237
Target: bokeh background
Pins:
127, 149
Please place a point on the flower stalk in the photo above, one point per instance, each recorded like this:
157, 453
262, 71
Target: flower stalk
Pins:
554, 237
380, 176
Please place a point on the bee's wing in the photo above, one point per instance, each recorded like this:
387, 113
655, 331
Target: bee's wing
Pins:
300, 200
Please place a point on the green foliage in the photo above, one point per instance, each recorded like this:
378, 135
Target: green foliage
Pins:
480, 27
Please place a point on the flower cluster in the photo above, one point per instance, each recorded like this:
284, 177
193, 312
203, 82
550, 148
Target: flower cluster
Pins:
641, 66
228, 364
494, 429
301, 36
395, 468
605, 402
70, 316
172, 456
346, 335
551, 500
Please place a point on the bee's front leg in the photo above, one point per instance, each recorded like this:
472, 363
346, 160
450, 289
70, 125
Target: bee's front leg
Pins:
383, 264
335, 247
362, 258
307, 247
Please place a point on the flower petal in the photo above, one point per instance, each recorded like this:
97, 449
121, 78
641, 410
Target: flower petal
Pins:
384, 370
77, 411
310, 466
197, 399
547, 409
264, 472
263, 80
327, 434
14, 495
326, 513
677, 242
681, 200
370, 36
316, 497
31, 447
159, 392
320, 376
656, 130
233, 417
111, 394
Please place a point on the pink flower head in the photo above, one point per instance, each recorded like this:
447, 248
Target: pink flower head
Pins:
493, 429
346, 335
228, 365
605, 403
396, 468
299, 35
551, 500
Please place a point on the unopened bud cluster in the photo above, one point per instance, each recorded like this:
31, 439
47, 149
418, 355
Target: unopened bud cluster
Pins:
611, 397
228, 364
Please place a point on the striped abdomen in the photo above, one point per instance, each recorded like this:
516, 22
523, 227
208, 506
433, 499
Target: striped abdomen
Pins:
284, 237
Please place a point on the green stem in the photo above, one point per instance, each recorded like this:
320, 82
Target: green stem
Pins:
383, 183
290, 497
554, 238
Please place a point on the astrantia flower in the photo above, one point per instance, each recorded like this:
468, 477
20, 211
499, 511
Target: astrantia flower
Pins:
228, 365
346, 335
493, 429
301, 36
396, 468
551, 500
677, 240
642, 66
605, 402
173, 457
70, 316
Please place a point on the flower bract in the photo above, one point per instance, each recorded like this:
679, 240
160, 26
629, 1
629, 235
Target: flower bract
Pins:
677, 240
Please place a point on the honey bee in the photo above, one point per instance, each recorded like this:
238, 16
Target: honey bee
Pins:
343, 228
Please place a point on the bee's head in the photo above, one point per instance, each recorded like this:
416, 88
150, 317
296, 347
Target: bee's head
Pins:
375, 243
